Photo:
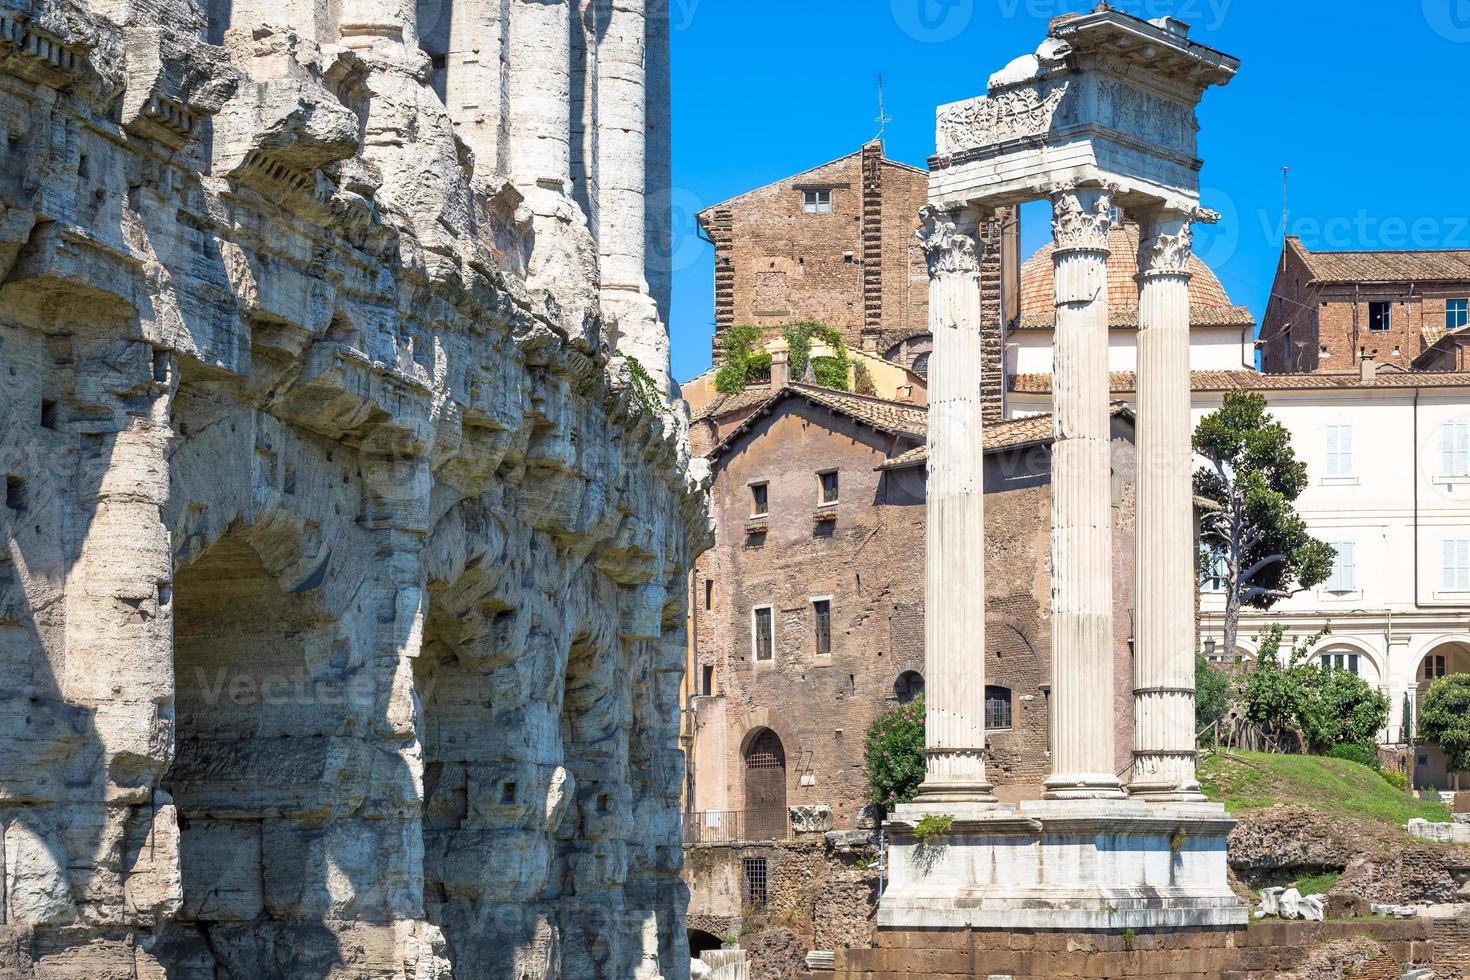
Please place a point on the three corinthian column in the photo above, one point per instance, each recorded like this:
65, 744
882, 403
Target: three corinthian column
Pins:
1082, 724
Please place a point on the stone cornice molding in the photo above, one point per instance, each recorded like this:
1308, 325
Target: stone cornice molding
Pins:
1081, 217
948, 249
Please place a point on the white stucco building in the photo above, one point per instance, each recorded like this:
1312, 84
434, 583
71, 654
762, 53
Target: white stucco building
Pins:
1388, 455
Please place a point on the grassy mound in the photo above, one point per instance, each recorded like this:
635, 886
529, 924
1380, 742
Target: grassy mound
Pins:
1255, 780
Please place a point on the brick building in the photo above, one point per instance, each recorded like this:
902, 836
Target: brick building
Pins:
834, 243
1330, 310
809, 610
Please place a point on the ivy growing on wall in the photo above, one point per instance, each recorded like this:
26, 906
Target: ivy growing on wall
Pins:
745, 357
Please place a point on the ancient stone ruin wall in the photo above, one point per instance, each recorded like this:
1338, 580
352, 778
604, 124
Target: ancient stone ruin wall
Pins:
342, 595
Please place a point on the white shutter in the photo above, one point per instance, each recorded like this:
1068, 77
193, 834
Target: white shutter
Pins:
1447, 565
1344, 450
1332, 444
1346, 569
1454, 449
1456, 561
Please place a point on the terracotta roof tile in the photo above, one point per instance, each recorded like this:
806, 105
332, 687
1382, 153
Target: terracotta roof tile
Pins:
1125, 382
1209, 304
998, 436
895, 418
723, 404
1445, 265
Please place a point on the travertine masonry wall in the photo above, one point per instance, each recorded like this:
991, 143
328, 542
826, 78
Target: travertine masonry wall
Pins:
342, 589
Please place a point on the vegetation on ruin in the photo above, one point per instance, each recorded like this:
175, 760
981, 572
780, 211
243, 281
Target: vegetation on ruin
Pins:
1444, 717
1254, 531
894, 753
744, 357
1256, 780
1295, 700
931, 827
645, 389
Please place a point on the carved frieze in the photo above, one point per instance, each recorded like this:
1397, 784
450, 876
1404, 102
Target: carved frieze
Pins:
1027, 111
948, 248
1146, 115
1081, 217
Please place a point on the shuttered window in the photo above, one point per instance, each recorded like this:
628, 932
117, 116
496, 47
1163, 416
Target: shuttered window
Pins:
1454, 449
1344, 576
1339, 450
1456, 565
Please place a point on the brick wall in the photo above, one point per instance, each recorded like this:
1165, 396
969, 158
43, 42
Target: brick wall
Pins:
871, 563
857, 268
1262, 950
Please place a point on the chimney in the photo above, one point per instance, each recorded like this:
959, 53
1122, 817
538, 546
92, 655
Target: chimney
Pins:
780, 363
1368, 368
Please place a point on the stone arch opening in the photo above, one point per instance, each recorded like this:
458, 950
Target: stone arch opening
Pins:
701, 941
909, 685
255, 719
765, 771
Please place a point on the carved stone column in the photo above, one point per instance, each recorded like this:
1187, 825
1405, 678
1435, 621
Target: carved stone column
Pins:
954, 563
477, 36
1082, 514
1164, 565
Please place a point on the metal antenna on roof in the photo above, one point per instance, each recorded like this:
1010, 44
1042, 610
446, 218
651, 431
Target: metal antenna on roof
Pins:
883, 118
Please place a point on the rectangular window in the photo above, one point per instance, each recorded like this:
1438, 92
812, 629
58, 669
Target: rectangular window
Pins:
709, 593
1454, 448
1380, 316
762, 624
707, 680
997, 708
816, 200
822, 616
1434, 666
1456, 565
754, 872
1339, 450
1342, 576
1340, 661
827, 487
1456, 313
759, 494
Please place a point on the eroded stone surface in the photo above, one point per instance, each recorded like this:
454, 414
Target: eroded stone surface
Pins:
341, 604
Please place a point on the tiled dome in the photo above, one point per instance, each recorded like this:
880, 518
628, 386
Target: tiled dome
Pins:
1209, 304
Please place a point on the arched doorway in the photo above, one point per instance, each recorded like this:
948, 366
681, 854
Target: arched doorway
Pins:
910, 684
765, 772
1431, 767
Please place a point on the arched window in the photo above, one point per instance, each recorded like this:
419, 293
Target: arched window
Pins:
997, 708
910, 684
921, 365
765, 772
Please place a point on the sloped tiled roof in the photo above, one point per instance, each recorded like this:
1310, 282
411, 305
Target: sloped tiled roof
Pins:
997, 436
1209, 304
1384, 265
723, 404
894, 418
1126, 382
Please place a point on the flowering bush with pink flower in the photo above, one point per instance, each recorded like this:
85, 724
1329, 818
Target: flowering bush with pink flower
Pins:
894, 752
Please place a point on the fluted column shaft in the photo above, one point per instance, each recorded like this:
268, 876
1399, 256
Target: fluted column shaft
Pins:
621, 145
540, 94
474, 90
1082, 517
1164, 561
954, 544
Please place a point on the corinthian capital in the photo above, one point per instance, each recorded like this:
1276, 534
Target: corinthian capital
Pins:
947, 247
1081, 217
1166, 240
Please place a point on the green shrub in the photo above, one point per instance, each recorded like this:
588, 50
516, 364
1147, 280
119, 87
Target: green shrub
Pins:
1363, 753
1212, 691
1396, 779
931, 827
1444, 717
1340, 708
894, 753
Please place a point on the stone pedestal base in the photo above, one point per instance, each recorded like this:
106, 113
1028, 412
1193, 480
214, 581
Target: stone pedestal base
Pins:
1062, 864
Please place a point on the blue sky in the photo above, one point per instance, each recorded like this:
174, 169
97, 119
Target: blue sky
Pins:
1365, 101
